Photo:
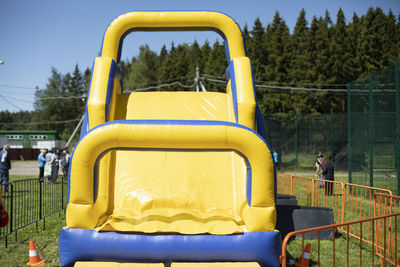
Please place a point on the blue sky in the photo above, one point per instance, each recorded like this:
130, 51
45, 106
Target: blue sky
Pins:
36, 35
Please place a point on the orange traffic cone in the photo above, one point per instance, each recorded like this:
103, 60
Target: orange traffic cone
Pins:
34, 259
305, 257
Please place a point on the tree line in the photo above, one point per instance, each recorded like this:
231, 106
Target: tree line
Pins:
319, 54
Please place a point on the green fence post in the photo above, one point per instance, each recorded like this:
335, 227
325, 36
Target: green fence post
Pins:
297, 139
349, 155
397, 87
370, 133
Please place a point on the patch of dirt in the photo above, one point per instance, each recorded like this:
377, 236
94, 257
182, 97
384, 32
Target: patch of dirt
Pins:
28, 167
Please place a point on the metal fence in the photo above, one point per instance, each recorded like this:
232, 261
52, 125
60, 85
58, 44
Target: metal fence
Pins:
350, 252
373, 111
364, 140
30, 201
366, 214
349, 202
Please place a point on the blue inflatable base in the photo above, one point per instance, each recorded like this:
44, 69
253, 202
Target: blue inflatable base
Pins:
90, 245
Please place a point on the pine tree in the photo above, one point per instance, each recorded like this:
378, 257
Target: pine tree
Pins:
256, 48
216, 62
194, 56
390, 40
341, 57
161, 65
354, 37
205, 51
372, 43
299, 64
246, 37
61, 109
321, 66
143, 71
278, 63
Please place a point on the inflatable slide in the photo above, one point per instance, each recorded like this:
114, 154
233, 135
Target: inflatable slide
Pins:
171, 178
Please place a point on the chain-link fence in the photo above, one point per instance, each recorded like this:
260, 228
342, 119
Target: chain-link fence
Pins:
373, 136
299, 137
365, 141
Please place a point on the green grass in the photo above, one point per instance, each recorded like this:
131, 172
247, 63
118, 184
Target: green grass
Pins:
46, 240
16, 254
21, 177
326, 252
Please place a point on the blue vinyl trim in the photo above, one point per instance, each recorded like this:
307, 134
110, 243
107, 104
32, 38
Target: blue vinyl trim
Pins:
261, 126
260, 123
86, 115
84, 125
69, 172
263, 247
86, 119
110, 88
230, 74
248, 181
252, 80
102, 39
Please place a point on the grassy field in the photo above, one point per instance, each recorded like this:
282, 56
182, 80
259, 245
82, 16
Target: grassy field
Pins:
327, 252
16, 254
384, 173
46, 240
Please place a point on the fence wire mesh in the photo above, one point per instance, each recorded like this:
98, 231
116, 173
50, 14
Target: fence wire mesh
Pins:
365, 141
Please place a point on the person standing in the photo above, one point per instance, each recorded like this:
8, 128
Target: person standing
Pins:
3, 212
328, 173
42, 163
5, 165
64, 159
2, 205
318, 164
55, 165
276, 159
48, 166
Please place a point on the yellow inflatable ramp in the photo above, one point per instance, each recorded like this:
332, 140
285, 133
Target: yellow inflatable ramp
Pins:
171, 176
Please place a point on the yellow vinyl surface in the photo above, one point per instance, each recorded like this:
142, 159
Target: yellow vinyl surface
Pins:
189, 176
193, 192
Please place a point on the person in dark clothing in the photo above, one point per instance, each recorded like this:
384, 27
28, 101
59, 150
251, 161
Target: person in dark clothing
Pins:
5, 165
55, 165
329, 174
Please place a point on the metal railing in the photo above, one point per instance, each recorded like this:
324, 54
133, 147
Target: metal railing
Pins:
30, 201
349, 202
387, 249
379, 240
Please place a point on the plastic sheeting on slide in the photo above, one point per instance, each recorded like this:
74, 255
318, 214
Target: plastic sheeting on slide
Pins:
187, 192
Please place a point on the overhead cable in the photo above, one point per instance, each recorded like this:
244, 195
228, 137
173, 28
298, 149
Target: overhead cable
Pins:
39, 123
162, 85
161, 81
10, 103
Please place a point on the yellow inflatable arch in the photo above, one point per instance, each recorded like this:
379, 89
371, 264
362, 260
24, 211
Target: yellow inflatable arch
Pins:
171, 176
